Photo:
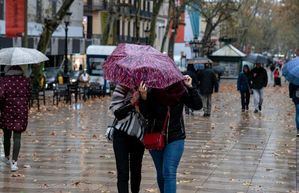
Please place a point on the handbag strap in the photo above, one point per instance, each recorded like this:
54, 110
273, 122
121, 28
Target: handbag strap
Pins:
166, 121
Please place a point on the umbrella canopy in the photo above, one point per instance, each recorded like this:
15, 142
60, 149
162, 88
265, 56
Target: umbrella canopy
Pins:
257, 58
291, 71
130, 64
218, 69
19, 56
200, 60
199, 66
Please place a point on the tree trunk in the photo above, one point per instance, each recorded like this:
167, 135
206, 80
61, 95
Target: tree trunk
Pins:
49, 27
175, 25
169, 20
137, 21
156, 9
207, 36
166, 34
109, 23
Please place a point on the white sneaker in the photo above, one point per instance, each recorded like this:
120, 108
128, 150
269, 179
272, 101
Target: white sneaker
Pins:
14, 166
5, 160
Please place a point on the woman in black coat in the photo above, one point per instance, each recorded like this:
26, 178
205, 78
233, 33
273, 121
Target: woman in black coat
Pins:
160, 106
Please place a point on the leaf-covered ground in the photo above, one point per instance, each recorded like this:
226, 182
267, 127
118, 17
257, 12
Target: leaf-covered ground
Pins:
64, 149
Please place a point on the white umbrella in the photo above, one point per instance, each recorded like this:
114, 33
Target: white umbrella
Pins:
20, 56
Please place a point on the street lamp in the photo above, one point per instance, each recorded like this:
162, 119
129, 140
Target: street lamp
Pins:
195, 45
147, 34
66, 22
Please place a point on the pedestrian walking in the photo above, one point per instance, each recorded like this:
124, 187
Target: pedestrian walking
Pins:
164, 108
192, 73
244, 87
127, 136
277, 79
207, 84
294, 95
259, 81
14, 96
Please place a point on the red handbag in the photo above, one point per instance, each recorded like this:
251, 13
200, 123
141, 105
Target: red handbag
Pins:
156, 140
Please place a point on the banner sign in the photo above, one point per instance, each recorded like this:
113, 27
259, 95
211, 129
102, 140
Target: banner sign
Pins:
14, 18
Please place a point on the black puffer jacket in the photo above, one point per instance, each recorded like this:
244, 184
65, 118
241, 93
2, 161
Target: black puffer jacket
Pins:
207, 81
156, 113
259, 78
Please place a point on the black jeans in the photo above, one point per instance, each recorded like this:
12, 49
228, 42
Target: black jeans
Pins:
245, 99
128, 152
16, 143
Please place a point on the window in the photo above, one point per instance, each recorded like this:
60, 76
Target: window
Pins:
54, 7
148, 6
39, 11
1, 9
145, 5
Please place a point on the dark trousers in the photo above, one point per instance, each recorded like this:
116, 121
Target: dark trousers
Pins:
16, 143
245, 99
128, 152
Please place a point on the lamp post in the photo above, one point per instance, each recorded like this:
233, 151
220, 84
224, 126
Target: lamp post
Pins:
147, 34
66, 22
195, 45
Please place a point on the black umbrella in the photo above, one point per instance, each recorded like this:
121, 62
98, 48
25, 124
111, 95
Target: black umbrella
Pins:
219, 69
257, 58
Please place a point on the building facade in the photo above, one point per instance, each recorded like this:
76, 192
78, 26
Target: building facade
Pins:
86, 25
96, 13
37, 12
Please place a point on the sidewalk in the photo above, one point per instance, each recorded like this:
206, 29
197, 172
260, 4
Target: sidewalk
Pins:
64, 149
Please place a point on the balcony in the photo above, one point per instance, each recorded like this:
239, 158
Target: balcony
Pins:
96, 6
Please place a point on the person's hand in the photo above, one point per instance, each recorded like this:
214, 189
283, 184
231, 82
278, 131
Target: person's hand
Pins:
142, 91
135, 98
188, 81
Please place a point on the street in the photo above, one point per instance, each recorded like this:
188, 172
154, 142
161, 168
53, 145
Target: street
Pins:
64, 149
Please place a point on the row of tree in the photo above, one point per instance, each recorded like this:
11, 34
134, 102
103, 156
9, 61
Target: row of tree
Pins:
214, 11
266, 25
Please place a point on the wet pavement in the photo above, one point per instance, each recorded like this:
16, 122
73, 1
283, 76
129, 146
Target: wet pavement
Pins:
64, 149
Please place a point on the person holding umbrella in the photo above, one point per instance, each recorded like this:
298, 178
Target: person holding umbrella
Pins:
259, 81
127, 136
291, 72
163, 92
160, 106
14, 95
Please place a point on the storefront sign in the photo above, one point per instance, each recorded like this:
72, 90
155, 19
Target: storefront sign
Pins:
14, 18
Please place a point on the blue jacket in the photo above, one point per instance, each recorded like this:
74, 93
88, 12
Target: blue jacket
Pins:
244, 82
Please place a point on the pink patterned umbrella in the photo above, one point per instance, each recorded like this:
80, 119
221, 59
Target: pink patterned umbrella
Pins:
130, 64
